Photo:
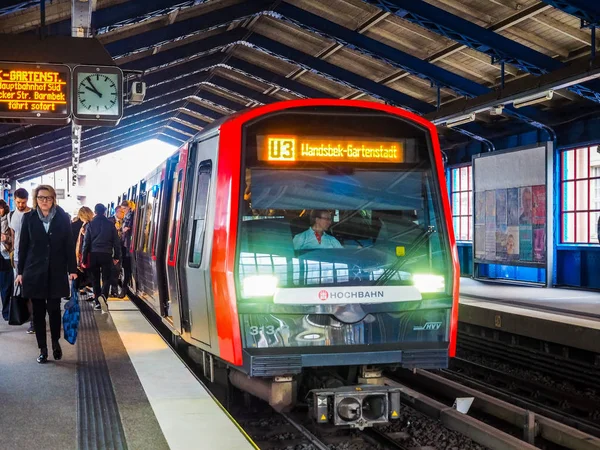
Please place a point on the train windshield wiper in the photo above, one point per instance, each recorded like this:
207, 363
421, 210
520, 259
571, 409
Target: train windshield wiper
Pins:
414, 246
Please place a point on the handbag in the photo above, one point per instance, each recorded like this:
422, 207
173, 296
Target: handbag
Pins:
71, 316
18, 313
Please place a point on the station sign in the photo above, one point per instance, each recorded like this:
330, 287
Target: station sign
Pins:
37, 93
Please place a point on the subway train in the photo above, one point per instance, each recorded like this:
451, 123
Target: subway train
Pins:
304, 247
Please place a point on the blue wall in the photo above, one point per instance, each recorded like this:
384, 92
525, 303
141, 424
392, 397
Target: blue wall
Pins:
575, 265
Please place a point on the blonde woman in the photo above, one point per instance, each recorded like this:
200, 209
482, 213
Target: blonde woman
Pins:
46, 263
86, 215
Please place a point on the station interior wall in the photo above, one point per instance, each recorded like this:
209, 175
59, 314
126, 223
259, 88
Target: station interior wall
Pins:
575, 265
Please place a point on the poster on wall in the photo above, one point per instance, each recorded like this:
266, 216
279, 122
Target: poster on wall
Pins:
490, 225
539, 223
510, 211
479, 217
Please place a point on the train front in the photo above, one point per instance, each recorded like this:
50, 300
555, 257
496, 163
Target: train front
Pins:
344, 261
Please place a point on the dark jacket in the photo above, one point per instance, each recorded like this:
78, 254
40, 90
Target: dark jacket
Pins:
75, 227
127, 223
46, 258
101, 237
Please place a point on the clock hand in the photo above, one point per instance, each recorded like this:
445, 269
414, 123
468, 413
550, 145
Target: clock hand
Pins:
94, 88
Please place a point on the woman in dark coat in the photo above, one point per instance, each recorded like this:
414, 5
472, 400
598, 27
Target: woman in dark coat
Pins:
46, 263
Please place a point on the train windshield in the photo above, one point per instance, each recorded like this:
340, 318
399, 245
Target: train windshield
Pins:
327, 221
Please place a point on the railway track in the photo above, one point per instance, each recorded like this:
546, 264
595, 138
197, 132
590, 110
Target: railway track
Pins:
527, 428
577, 411
579, 373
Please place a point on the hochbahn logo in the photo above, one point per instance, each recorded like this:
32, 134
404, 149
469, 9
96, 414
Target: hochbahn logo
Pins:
340, 295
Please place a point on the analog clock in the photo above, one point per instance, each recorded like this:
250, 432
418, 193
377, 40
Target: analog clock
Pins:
98, 94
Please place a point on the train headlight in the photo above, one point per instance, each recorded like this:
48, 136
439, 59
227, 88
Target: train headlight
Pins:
259, 286
428, 282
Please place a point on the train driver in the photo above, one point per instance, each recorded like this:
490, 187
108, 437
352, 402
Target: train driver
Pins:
315, 237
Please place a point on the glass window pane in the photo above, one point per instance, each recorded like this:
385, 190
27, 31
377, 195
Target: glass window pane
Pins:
581, 200
470, 230
470, 173
569, 196
471, 203
456, 221
455, 180
595, 194
455, 204
581, 229
464, 203
464, 178
569, 227
594, 227
464, 228
568, 165
581, 163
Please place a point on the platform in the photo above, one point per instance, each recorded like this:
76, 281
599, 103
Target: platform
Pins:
563, 316
119, 387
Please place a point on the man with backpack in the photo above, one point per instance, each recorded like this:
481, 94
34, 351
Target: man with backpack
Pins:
103, 246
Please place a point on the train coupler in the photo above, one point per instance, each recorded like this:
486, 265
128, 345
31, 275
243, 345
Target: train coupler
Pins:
356, 406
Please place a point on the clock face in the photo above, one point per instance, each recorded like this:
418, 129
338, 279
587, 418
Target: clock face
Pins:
97, 94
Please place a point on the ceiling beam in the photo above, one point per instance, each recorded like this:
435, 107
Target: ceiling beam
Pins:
587, 10
578, 72
498, 47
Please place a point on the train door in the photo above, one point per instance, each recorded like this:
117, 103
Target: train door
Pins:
162, 233
173, 238
194, 267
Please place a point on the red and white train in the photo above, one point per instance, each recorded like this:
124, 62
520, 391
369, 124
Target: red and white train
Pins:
305, 246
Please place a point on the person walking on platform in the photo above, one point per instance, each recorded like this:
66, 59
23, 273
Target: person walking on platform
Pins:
117, 219
101, 244
126, 230
46, 263
15, 220
85, 216
6, 247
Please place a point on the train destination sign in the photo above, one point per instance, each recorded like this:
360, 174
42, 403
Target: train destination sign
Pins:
35, 91
329, 149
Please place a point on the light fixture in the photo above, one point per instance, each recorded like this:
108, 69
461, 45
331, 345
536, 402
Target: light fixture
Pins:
426, 282
460, 120
496, 110
259, 286
533, 99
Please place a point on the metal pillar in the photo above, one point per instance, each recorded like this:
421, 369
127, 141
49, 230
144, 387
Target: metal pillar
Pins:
81, 26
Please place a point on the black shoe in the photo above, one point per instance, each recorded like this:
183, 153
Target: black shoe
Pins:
56, 351
31, 329
97, 306
43, 358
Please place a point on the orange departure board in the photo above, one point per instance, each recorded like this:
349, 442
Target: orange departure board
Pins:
35, 91
277, 148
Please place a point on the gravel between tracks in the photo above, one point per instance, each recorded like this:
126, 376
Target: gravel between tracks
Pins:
425, 431
413, 429
529, 374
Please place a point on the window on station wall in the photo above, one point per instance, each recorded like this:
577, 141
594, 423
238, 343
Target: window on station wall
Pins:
580, 195
461, 192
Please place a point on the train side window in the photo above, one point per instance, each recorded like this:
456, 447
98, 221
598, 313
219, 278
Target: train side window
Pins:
176, 216
155, 217
199, 217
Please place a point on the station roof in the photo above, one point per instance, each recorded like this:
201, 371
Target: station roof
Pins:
203, 59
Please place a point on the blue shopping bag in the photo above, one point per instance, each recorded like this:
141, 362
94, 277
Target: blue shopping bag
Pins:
71, 316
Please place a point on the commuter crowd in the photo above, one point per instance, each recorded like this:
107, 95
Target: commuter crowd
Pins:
46, 257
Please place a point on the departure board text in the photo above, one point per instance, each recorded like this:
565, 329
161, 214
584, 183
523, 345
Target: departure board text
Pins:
34, 90
329, 149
